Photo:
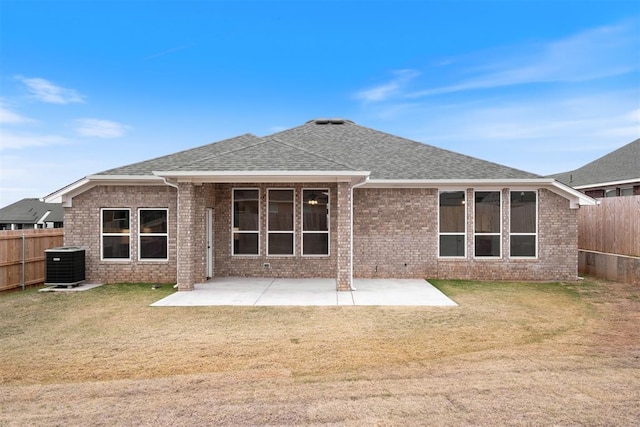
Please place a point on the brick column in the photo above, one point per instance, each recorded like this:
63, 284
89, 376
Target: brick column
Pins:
186, 230
343, 244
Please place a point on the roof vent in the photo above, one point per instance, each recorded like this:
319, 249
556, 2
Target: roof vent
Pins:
332, 121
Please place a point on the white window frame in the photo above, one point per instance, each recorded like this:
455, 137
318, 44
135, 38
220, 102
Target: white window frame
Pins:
141, 235
303, 232
525, 234
259, 231
292, 232
465, 203
479, 257
103, 234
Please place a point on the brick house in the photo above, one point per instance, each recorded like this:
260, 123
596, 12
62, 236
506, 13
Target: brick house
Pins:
326, 199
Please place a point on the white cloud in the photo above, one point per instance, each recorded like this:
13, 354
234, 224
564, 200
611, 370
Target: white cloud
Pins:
48, 92
596, 53
559, 122
10, 117
10, 140
100, 128
543, 133
386, 90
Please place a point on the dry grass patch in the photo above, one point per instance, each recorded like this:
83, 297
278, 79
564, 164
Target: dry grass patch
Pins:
564, 353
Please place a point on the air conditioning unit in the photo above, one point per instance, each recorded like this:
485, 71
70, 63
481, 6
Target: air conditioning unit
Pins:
64, 266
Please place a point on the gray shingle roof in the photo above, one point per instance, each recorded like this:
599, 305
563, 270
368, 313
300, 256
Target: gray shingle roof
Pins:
622, 164
186, 157
269, 155
328, 146
392, 157
29, 211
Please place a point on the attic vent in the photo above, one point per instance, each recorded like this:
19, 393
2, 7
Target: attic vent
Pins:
334, 121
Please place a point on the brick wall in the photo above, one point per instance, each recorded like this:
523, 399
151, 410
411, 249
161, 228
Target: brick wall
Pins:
279, 266
82, 228
343, 249
396, 235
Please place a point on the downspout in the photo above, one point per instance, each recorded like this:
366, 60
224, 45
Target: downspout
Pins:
353, 288
170, 184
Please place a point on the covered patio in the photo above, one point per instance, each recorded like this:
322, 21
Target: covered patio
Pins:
241, 291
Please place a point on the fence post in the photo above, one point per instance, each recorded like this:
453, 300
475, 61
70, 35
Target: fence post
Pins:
23, 260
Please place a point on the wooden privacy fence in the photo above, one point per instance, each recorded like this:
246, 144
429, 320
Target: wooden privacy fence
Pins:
612, 227
609, 239
22, 258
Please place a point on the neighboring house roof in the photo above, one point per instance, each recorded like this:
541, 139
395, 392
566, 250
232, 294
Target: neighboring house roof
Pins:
618, 167
318, 151
31, 211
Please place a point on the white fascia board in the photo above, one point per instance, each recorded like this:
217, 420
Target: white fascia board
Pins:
66, 194
262, 176
57, 196
608, 184
41, 220
126, 179
575, 197
455, 183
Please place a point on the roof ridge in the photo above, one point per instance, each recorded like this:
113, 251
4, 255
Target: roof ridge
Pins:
312, 153
202, 146
224, 153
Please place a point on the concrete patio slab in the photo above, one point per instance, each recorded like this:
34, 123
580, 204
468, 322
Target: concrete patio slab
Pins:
240, 291
398, 292
297, 292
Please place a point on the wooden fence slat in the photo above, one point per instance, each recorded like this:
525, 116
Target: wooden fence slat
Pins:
36, 242
613, 226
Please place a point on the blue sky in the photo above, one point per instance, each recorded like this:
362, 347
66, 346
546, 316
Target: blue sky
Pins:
544, 86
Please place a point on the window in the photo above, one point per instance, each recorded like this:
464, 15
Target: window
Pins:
153, 234
315, 222
524, 224
611, 193
246, 221
116, 233
452, 219
280, 234
488, 224
626, 191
